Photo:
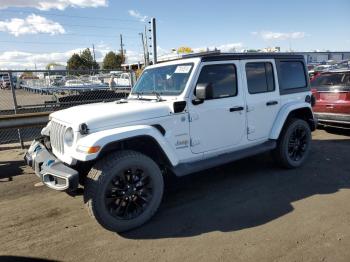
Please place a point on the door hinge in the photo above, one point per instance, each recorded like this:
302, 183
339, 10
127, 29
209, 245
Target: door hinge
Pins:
249, 108
192, 117
250, 130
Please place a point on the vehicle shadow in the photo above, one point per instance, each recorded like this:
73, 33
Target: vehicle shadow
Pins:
246, 193
335, 131
10, 169
23, 259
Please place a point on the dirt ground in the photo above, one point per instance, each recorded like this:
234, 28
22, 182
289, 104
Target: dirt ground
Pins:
249, 210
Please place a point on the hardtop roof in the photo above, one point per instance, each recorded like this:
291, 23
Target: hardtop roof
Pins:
243, 56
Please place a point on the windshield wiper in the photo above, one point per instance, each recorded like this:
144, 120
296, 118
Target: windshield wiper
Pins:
138, 95
157, 94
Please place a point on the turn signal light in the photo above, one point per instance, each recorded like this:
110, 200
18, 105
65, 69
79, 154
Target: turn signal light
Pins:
89, 150
93, 149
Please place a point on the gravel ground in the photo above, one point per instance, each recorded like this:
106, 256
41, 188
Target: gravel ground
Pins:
249, 210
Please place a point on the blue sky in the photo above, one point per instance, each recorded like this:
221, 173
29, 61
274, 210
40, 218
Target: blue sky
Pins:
46, 30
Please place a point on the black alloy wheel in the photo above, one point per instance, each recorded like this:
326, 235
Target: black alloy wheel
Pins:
129, 193
298, 143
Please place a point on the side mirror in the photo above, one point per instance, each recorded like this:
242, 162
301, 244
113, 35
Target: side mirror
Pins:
203, 92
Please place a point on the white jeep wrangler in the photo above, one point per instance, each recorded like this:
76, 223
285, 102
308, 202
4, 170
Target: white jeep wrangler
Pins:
182, 116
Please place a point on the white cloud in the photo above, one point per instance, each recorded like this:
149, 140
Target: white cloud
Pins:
52, 4
269, 35
33, 24
224, 48
133, 57
137, 15
26, 60
22, 60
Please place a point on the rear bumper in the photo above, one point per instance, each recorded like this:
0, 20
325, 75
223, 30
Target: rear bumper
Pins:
49, 169
333, 119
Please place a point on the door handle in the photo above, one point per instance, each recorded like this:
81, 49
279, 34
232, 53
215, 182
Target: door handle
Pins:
237, 108
271, 103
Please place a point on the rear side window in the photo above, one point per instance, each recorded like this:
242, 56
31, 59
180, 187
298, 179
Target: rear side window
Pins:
292, 75
222, 77
260, 77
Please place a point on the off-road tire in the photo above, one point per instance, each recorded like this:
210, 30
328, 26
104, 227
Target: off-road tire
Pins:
102, 174
281, 153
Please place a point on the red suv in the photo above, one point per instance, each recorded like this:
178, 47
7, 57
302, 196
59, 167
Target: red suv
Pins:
332, 92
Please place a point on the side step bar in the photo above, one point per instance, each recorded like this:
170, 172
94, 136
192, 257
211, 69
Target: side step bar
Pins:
188, 168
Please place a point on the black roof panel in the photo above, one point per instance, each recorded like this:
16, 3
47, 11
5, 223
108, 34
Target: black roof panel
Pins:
242, 56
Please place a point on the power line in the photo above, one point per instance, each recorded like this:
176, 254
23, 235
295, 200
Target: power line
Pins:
97, 26
49, 52
77, 16
75, 34
94, 26
42, 43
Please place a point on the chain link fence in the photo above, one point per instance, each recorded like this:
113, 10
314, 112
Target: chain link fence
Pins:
24, 92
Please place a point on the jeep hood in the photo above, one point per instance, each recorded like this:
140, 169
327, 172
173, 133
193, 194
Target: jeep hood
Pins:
112, 114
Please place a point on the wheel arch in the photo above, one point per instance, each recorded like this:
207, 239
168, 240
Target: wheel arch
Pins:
146, 139
300, 110
144, 144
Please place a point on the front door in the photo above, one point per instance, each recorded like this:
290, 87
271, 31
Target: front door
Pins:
262, 96
220, 121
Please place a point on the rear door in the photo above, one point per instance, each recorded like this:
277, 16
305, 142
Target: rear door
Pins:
262, 95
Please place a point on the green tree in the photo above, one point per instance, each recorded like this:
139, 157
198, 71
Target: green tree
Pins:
84, 61
74, 62
112, 60
88, 60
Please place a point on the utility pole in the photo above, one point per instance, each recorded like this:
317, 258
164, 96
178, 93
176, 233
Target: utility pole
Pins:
121, 47
93, 52
154, 40
144, 49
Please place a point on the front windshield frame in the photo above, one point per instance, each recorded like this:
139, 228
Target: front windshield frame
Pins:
164, 92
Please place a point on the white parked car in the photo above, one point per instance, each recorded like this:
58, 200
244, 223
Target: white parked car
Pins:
182, 116
122, 80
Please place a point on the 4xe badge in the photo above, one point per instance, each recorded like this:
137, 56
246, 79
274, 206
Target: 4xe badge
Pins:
182, 142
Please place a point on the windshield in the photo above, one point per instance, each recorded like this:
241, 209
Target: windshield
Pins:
164, 80
330, 80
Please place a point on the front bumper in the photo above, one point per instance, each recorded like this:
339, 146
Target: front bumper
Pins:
49, 169
332, 119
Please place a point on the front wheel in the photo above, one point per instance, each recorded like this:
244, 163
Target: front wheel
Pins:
293, 146
124, 190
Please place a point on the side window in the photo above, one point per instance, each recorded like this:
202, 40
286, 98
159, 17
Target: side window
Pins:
292, 75
347, 79
260, 77
222, 77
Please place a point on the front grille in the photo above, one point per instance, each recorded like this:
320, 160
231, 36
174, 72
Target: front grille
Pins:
56, 136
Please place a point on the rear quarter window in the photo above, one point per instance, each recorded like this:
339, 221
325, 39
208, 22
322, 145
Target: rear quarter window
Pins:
292, 77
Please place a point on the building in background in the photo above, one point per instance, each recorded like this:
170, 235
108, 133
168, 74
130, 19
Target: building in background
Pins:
322, 57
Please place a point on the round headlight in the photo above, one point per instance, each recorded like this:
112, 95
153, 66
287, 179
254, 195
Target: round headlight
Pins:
69, 136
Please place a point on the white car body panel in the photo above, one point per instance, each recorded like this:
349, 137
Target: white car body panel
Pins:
260, 117
287, 107
223, 129
199, 132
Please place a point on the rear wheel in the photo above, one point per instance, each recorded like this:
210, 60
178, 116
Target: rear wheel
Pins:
124, 190
293, 146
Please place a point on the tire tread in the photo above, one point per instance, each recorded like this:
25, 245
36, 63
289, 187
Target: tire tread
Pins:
96, 176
